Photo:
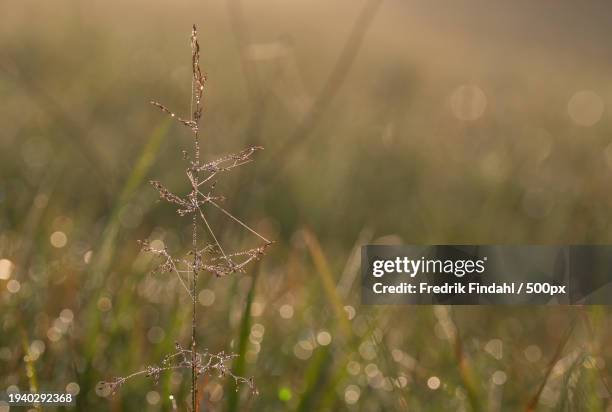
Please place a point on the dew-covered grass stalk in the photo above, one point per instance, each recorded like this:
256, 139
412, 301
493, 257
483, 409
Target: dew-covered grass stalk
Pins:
204, 256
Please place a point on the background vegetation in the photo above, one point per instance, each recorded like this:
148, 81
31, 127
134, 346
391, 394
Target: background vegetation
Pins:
414, 122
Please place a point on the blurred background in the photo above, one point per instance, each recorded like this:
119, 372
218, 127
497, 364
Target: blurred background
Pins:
382, 121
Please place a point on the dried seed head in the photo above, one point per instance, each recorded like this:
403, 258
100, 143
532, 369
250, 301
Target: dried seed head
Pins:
211, 258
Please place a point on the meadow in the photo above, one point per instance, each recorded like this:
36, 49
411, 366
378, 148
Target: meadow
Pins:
381, 121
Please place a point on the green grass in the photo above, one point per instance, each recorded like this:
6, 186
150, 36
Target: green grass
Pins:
387, 156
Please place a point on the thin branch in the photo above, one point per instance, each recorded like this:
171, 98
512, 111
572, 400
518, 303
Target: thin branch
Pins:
240, 222
211, 232
188, 123
235, 160
201, 362
169, 264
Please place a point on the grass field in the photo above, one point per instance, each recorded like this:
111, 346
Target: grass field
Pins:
382, 122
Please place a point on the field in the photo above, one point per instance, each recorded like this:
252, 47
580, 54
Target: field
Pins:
381, 122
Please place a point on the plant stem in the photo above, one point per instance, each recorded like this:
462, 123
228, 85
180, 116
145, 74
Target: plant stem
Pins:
194, 377
194, 388
195, 117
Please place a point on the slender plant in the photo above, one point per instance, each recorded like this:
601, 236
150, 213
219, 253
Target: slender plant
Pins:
204, 256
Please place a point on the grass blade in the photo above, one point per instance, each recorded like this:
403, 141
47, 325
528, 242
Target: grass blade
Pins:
107, 248
243, 340
324, 272
531, 406
104, 256
315, 378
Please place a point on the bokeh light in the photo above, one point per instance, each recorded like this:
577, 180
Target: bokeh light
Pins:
585, 108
